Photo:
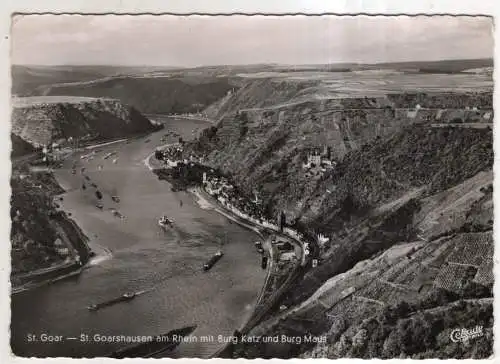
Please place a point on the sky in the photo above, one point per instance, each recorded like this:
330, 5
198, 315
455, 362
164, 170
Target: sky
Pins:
190, 41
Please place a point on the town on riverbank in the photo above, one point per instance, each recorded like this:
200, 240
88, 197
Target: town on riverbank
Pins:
189, 172
286, 252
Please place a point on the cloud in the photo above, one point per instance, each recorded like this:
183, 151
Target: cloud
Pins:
199, 40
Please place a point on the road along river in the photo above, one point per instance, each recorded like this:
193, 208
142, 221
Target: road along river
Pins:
134, 254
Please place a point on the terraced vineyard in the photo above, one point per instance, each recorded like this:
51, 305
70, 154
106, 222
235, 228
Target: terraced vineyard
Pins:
349, 308
384, 292
471, 249
454, 277
485, 274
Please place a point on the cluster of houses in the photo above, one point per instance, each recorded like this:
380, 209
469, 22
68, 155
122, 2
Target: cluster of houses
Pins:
224, 191
226, 194
54, 152
61, 248
174, 155
320, 159
285, 249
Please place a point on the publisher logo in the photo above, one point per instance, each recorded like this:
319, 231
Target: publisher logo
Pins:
462, 335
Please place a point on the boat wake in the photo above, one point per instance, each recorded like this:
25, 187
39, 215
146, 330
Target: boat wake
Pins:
97, 260
138, 293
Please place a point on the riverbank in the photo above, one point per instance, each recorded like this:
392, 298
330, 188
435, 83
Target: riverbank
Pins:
72, 235
205, 201
169, 264
223, 207
270, 292
62, 241
63, 272
218, 187
181, 116
79, 255
269, 295
202, 198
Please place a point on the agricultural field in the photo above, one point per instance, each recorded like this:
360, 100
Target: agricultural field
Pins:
454, 277
484, 275
449, 209
384, 292
350, 308
472, 249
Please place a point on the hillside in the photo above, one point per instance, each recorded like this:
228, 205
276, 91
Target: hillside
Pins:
155, 95
265, 147
45, 241
404, 248
400, 183
155, 89
40, 121
26, 78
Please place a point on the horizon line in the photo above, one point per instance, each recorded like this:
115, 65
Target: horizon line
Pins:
252, 64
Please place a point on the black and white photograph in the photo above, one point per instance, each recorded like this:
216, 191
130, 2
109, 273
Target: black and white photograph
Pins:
232, 186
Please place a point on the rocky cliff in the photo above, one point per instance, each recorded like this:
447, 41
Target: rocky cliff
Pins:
42, 120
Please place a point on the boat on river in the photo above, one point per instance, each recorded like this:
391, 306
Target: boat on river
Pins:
109, 155
215, 258
123, 298
164, 222
117, 213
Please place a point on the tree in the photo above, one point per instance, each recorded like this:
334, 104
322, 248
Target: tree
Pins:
158, 154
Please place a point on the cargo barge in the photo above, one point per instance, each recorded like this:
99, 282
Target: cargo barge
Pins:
215, 258
157, 345
123, 298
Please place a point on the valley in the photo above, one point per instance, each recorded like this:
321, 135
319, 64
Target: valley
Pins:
386, 172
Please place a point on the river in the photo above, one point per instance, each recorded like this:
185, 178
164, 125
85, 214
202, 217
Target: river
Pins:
133, 254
